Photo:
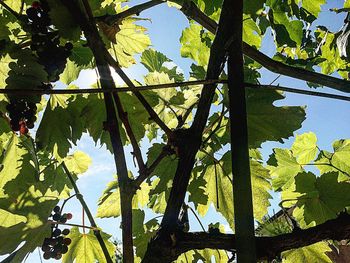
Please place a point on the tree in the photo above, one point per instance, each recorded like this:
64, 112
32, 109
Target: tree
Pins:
199, 129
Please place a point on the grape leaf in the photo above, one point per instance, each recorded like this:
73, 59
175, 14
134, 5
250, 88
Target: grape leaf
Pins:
61, 124
313, 6
336, 161
267, 122
130, 40
109, 202
194, 45
310, 254
63, 20
305, 148
153, 60
283, 168
219, 189
32, 233
317, 199
251, 32
70, 73
86, 248
142, 232
78, 162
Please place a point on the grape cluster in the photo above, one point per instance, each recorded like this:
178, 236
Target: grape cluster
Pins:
57, 245
46, 41
22, 114
45, 44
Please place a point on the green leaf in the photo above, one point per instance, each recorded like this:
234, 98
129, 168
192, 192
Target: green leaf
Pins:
153, 60
63, 20
267, 122
93, 115
310, 254
337, 161
70, 73
78, 162
130, 40
219, 189
142, 232
313, 6
251, 32
109, 202
305, 148
195, 44
283, 168
252, 7
317, 199
86, 248
61, 124
32, 233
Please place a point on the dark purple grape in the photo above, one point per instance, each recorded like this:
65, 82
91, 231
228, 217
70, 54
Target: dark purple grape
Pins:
60, 240
53, 241
64, 249
67, 241
57, 209
32, 13
56, 232
47, 255
65, 231
68, 46
58, 256
53, 254
56, 217
45, 248
46, 241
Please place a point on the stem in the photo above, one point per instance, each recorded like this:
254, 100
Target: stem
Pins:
125, 120
135, 10
154, 116
88, 213
195, 214
148, 170
69, 224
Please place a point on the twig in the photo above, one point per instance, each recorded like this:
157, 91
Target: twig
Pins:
125, 120
135, 10
148, 170
195, 214
154, 116
70, 224
65, 201
88, 213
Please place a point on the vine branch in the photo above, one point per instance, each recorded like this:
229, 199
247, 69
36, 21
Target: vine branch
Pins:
268, 248
88, 26
154, 116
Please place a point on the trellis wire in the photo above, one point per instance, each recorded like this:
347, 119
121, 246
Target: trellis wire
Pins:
167, 86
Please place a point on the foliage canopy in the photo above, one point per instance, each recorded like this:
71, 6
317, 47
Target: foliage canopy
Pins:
38, 170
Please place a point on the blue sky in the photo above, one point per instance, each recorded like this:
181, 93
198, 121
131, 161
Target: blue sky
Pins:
325, 117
